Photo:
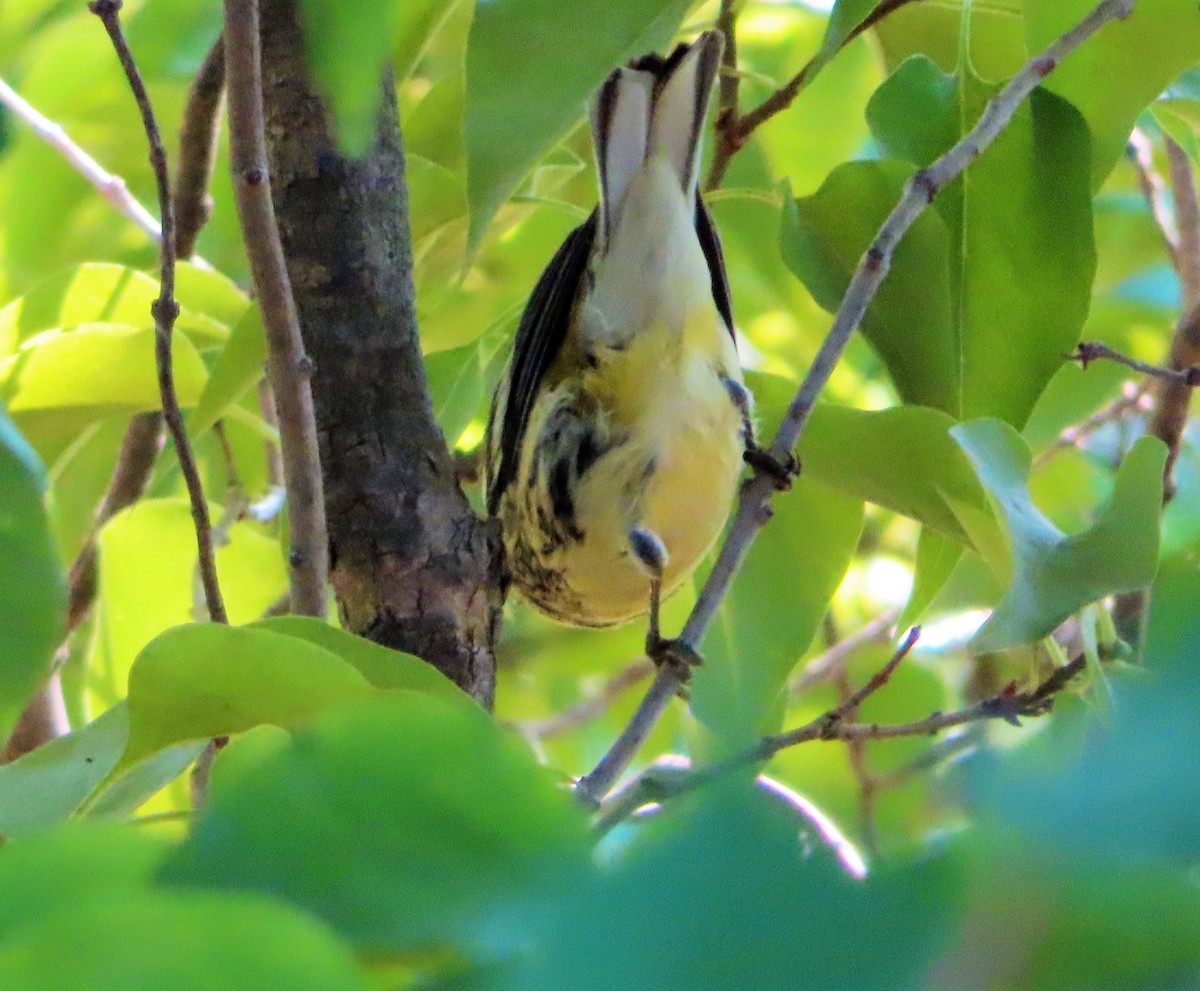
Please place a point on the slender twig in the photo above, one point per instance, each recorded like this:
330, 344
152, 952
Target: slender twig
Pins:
165, 310
110, 186
754, 503
850, 705
868, 787
288, 367
1009, 705
1088, 351
1133, 396
1187, 221
734, 130
590, 708
1141, 155
198, 150
828, 664
143, 437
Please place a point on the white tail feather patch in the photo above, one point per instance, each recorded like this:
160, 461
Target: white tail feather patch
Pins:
680, 107
620, 126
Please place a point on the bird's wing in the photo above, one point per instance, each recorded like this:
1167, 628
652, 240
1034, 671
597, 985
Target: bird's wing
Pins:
710, 244
540, 336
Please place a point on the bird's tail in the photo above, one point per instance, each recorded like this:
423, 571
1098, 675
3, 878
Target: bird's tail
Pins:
653, 107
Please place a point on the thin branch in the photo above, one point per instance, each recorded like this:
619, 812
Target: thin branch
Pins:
590, 708
165, 310
734, 130
288, 367
868, 786
754, 503
1133, 396
1187, 221
110, 186
832, 661
850, 705
1009, 705
1141, 155
198, 150
1088, 351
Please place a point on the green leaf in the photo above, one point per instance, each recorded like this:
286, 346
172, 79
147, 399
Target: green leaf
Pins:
49, 872
775, 915
113, 294
210, 293
238, 367
937, 557
1055, 575
194, 941
381, 666
1020, 222
1161, 37
148, 583
415, 22
60, 382
419, 822
48, 785
564, 51
904, 459
32, 590
769, 616
200, 681
1120, 789
460, 380
909, 323
348, 45
935, 31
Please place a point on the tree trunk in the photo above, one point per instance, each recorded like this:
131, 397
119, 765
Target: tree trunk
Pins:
412, 566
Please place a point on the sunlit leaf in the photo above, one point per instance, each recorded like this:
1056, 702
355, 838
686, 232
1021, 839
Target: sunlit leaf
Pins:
1055, 574
238, 367
382, 667
1161, 36
205, 680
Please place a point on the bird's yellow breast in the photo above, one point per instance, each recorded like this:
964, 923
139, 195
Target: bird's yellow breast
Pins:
669, 443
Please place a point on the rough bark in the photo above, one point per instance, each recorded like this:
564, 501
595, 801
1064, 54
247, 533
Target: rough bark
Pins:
412, 566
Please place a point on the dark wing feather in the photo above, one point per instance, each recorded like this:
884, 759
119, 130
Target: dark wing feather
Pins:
710, 244
540, 336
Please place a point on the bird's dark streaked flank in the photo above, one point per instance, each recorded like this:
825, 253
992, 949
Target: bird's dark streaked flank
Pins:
616, 434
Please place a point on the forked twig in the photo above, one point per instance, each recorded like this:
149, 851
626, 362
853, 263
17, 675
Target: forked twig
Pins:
754, 504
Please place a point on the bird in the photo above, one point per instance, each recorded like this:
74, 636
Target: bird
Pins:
618, 429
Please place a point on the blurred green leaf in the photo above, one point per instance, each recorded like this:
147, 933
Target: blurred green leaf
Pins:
382, 667
205, 680
1055, 575
769, 616
727, 895
51, 871
415, 22
353, 85
194, 941
1160, 36
419, 822
565, 52
32, 590
461, 379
